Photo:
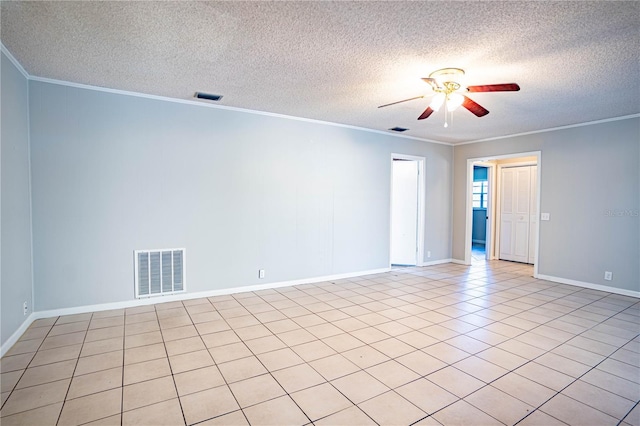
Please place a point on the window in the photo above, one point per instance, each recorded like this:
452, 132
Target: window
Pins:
480, 190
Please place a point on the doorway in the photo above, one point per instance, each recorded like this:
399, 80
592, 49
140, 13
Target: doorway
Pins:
493, 237
480, 227
407, 210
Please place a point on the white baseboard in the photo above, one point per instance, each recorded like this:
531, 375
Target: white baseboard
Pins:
459, 262
200, 294
435, 262
172, 298
17, 334
591, 286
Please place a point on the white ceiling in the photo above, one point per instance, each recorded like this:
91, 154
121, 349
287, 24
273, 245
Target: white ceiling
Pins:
576, 62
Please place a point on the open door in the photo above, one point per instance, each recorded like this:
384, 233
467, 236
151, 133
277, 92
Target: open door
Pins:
404, 212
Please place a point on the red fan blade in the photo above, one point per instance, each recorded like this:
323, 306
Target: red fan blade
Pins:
427, 112
507, 87
399, 102
475, 107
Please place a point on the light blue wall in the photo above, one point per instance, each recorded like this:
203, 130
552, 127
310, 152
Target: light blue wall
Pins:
240, 191
15, 217
590, 184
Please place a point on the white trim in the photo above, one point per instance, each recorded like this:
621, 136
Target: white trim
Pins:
33, 277
489, 246
468, 209
187, 296
14, 61
225, 107
17, 334
517, 164
491, 204
460, 262
505, 157
591, 286
552, 129
422, 183
537, 236
437, 262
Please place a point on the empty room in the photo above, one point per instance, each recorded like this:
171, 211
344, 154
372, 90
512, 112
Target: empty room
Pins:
320, 213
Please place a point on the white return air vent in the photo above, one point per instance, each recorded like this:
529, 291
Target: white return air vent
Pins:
159, 272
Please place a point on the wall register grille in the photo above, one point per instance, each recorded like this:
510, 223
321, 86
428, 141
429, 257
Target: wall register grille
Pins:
159, 272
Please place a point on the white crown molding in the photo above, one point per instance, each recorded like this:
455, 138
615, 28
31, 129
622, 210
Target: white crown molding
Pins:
202, 103
290, 117
553, 129
224, 107
14, 61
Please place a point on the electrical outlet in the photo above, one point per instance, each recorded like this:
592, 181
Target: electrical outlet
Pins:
261, 273
24, 308
608, 275
545, 216
429, 253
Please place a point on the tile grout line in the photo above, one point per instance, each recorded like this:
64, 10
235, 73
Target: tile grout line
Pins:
64, 400
513, 370
353, 286
628, 412
173, 378
27, 366
215, 363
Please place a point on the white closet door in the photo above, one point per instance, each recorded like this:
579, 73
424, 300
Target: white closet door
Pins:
533, 215
522, 219
515, 216
507, 189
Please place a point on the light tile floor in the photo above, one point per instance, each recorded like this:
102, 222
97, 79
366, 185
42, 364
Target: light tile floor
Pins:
478, 253
447, 344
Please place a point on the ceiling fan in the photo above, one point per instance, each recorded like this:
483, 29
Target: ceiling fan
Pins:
447, 89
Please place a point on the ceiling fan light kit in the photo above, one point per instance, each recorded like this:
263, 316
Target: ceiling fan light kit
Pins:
446, 85
447, 78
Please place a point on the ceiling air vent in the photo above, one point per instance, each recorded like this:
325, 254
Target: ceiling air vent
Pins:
398, 129
159, 272
208, 96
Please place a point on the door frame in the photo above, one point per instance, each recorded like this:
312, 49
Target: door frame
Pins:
494, 197
421, 206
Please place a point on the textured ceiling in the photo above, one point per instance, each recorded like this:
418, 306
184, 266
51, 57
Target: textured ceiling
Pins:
337, 61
